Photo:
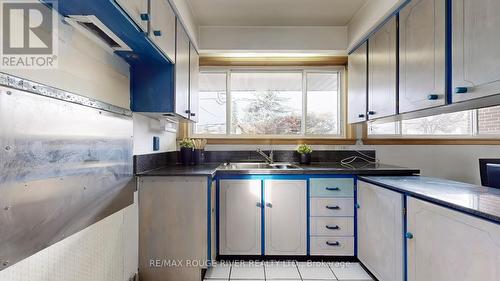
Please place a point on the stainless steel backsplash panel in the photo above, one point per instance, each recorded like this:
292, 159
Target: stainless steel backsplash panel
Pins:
63, 167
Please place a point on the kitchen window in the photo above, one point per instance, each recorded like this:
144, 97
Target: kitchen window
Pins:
281, 103
483, 122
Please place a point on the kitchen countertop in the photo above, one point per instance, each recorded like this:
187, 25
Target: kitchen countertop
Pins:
314, 168
476, 200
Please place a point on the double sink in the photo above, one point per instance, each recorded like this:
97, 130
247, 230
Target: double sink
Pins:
260, 166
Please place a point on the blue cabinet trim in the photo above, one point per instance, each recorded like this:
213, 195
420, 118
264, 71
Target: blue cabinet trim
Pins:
209, 221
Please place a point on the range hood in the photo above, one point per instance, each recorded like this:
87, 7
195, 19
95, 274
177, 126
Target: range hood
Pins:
94, 29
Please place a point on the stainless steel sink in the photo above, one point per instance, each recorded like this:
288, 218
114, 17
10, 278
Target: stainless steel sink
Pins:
260, 166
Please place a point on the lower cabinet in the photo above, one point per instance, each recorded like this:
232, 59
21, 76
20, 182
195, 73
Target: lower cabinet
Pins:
380, 231
285, 217
447, 245
240, 217
241, 209
173, 225
331, 221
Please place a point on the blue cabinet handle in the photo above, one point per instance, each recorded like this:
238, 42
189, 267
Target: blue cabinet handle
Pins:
357, 206
145, 17
461, 90
334, 244
336, 227
409, 235
332, 188
332, 207
157, 33
433, 97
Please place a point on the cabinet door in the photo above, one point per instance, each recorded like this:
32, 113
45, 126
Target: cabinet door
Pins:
240, 217
172, 225
194, 65
422, 55
380, 231
382, 71
358, 78
448, 245
475, 49
163, 27
134, 9
182, 73
285, 217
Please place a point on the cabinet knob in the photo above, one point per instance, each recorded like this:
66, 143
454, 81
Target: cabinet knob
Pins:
361, 115
187, 111
332, 207
371, 112
333, 244
157, 33
145, 17
193, 114
433, 97
269, 204
335, 227
258, 204
461, 90
409, 235
357, 206
332, 188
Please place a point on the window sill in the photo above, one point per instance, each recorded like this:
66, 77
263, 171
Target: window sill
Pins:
325, 141
422, 141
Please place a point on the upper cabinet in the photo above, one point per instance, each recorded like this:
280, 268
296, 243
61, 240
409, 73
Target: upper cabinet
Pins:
476, 71
422, 29
358, 79
194, 65
382, 69
138, 11
162, 30
182, 73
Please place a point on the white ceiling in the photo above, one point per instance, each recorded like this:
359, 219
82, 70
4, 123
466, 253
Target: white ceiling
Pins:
274, 12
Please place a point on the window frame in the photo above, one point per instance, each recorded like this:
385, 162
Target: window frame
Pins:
474, 137
304, 70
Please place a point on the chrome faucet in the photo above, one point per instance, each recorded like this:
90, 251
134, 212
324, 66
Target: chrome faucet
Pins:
269, 159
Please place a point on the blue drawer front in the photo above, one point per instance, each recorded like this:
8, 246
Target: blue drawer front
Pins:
332, 187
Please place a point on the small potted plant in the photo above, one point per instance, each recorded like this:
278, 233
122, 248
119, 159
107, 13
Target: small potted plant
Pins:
186, 151
305, 153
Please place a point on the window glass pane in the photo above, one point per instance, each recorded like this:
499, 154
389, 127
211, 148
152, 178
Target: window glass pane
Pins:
322, 104
390, 128
266, 103
458, 123
489, 120
212, 102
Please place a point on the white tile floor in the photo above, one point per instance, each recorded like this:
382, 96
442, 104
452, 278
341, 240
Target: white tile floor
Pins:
287, 271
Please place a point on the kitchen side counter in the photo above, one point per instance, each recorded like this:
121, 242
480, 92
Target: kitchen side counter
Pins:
480, 201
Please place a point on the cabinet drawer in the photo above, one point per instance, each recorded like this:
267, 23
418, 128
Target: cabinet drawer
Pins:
334, 226
340, 187
343, 207
332, 246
